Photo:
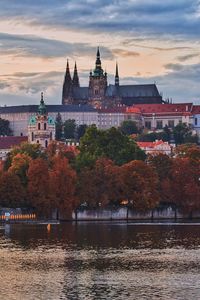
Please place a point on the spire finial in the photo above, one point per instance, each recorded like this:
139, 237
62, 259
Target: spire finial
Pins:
117, 75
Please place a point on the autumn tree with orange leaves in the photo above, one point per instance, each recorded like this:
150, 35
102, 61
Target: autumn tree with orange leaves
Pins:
12, 192
139, 185
99, 186
39, 186
62, 185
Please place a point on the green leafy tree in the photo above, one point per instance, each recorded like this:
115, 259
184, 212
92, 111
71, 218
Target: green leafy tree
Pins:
152, 136
111, 144
59, 126
183, 134
69, 129
129, 127
80, 131
5, 127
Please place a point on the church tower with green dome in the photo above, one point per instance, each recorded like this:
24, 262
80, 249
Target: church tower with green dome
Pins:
41, 128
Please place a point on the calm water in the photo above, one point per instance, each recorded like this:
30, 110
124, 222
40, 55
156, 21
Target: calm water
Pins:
100, 261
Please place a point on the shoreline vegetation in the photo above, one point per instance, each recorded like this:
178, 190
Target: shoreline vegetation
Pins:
107, 171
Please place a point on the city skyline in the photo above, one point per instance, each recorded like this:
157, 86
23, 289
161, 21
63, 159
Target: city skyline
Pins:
151, 41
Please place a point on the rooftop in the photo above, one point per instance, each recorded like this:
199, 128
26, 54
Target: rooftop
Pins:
7, 142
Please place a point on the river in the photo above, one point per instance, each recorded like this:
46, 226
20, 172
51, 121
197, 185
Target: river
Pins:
100, 261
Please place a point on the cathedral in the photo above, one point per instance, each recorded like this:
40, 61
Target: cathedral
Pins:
101, 94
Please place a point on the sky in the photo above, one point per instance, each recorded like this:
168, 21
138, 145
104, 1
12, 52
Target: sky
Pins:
153, 41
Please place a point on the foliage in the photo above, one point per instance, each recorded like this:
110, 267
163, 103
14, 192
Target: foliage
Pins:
191, 151
152, 136
111, 144
183, 134
39, 186
19, 166
80, 131
129, 127
62, 185
12, 193
69, 129
59, 126
99, 186
139, 185
5, 128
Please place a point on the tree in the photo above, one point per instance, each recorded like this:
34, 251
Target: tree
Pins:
111, 144
5, 127
69, 129
12, 193
19, 166
80, 131
185, 184
183, 134
162, 164
100, 185
62, 182
139, 185
129, 127
39, 186
152, 136
191, 151
59, 126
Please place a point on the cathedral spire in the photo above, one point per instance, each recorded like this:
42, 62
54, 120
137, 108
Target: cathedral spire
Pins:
67, 85
116, 76
98, 60
75, 80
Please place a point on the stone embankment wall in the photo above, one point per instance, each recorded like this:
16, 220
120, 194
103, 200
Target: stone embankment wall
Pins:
167, 213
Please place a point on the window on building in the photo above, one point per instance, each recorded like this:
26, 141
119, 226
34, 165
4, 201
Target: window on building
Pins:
50, 135
148, 124
38, 126
159, 124
96, 92
37, 142
171, 123
32, 136
45, 126
46, 144
195, 121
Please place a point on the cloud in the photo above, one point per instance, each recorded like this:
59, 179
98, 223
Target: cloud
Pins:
184, 58
34, 46
124, 53
174, 67
149, 17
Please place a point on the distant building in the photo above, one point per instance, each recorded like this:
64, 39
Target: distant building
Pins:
196, 119
100, 94
156, 147
41, 128
19, 116
114, 117
8, 142
157, 116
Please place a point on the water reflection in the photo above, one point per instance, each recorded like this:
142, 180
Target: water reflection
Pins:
100, 261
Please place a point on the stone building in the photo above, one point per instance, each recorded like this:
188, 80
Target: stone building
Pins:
41, 128
101, 94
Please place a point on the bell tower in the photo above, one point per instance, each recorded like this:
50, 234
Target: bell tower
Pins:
97, 83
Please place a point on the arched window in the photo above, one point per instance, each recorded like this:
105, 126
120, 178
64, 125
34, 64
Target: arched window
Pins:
37, 142
32, 136
38, 126
45, 126
46, 144
50, 136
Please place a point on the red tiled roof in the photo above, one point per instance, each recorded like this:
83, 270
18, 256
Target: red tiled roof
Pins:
7, 142
160, 109
196, 109
150, 144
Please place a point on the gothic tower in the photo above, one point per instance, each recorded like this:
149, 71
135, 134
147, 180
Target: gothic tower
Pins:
75, 80
67, 87
97, 83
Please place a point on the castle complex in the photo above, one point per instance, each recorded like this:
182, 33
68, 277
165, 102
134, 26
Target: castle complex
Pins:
101, 94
